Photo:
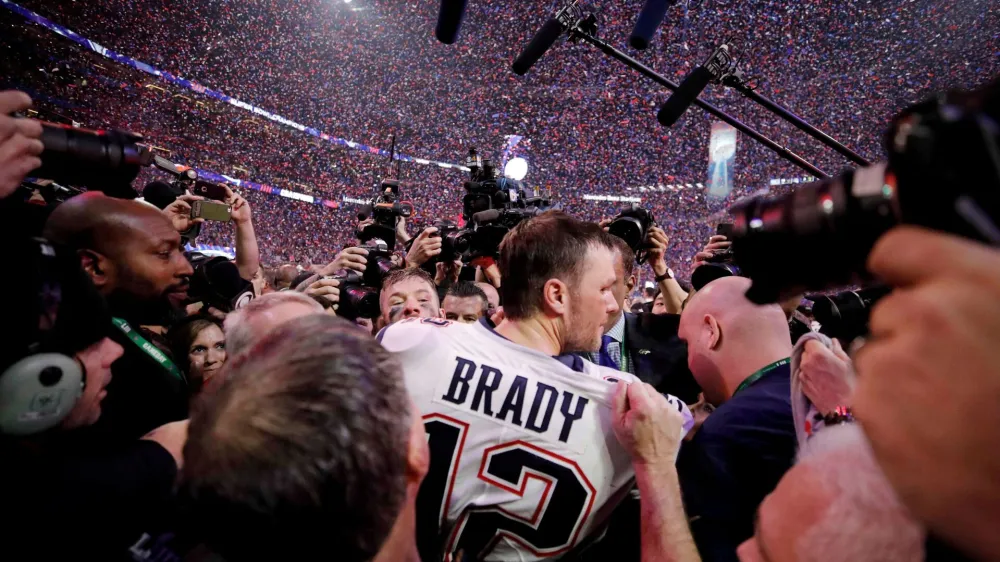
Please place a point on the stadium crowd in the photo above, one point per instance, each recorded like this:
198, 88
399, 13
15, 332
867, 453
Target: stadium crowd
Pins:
589, 123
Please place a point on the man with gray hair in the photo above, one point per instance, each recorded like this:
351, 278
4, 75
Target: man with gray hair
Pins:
311, 447
834, 505
260, 316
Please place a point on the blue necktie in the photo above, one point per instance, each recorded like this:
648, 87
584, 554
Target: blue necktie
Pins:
605, 359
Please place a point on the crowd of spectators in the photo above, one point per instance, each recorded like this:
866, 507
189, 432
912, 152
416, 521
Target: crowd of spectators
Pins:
370, 69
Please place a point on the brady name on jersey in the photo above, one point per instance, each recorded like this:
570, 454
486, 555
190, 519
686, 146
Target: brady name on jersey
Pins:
524, 462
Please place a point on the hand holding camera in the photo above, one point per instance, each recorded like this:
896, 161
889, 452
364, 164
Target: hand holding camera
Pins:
20, 143
181, 212
353, 258
425, 246
327, 288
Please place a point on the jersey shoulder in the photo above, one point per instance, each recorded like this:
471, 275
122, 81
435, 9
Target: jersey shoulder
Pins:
414, 333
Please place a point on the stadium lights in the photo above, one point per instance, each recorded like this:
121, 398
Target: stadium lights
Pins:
516, 169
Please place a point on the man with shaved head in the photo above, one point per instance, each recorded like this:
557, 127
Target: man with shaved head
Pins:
739, 354
133, 254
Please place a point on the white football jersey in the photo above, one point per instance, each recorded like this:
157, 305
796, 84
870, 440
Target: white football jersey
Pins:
524, 462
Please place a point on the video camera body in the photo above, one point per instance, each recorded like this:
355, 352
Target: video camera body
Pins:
632, 225
491, 207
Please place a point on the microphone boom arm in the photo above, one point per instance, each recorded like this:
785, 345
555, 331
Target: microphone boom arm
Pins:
585, 29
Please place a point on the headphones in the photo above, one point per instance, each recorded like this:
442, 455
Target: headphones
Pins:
40, 388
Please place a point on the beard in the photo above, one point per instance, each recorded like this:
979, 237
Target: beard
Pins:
582, 336
143, 311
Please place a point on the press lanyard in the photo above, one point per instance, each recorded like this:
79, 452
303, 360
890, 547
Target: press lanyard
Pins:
756, 376
149, 348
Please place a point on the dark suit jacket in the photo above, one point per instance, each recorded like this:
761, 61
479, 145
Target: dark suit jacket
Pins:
658, 356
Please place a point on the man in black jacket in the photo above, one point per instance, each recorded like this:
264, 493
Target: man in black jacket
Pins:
645, 345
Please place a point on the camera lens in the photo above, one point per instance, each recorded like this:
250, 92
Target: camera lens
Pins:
814, 238
105, 160
357, 301
630, 230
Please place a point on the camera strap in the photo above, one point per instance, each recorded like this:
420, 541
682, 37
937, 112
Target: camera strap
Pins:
150, 349
759, 374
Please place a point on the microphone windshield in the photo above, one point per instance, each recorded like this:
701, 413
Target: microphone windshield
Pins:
541, 42
449, 20
651, 16
685, 95
160, 194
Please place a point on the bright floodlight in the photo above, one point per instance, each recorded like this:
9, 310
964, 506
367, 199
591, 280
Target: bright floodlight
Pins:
516, 169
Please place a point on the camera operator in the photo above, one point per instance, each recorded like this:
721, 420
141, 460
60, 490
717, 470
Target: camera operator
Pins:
20, 142
739, 354
55, 370
132, 254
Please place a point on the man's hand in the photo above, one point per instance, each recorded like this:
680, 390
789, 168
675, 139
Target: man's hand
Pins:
827, 376
20, 143
401, 235
447, 272
425, 247
715, 243
179, 212
646, 425
241, 209
326, 288
171, 437
929, 382
348, 258
605, 224
656, 254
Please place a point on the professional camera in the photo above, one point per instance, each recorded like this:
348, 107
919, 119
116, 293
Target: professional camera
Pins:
102, 160
455, 241
492, 206
941, 174
216, 282
359, 292
385, 210
845, 315
632, 226
721, 264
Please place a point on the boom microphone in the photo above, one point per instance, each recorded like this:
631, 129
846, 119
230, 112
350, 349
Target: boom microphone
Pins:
650, 18
684, 96
541, 42
449, 20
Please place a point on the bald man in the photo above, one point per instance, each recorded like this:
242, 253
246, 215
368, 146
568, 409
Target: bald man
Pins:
835, 505
739, 354
132, 253
284, 277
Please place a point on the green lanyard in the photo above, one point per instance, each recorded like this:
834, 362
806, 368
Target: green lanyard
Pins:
757, 376
149, 348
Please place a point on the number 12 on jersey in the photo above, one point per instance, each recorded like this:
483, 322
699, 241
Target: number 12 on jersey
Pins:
551, 526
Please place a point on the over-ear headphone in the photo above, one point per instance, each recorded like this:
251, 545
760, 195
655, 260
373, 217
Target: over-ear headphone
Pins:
41, 381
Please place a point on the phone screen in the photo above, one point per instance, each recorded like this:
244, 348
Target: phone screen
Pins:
725, 229
211, 211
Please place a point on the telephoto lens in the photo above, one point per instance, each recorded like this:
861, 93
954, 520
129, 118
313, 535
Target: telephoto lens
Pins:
107, 161
941, 174
631, 225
